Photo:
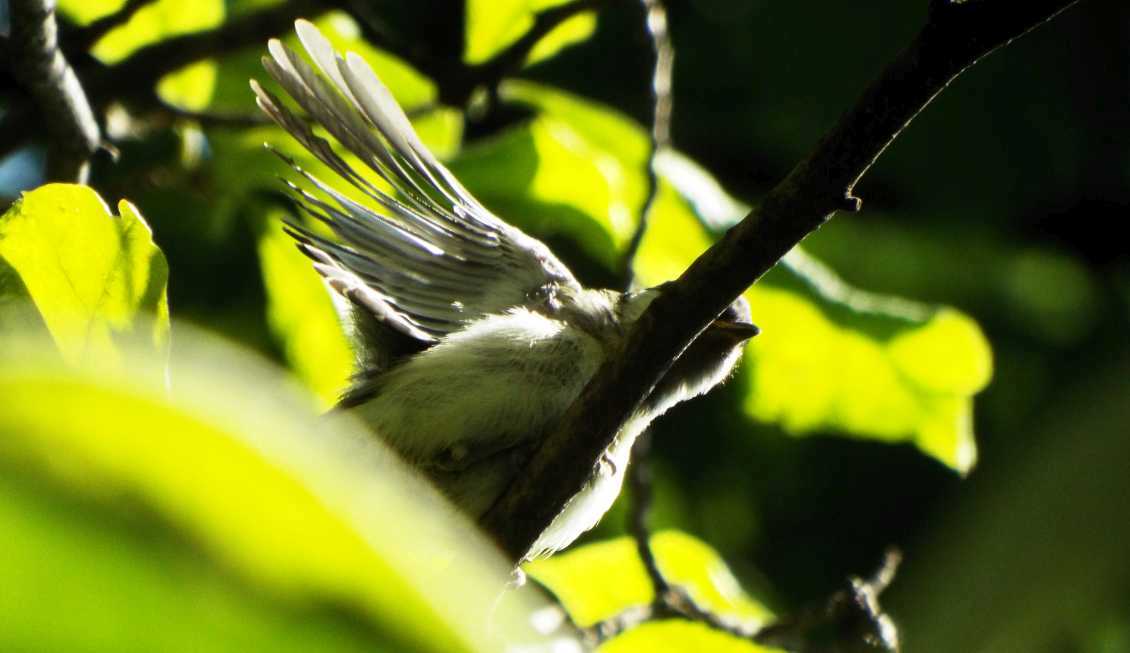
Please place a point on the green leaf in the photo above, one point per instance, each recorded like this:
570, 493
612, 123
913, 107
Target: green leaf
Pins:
226, 516
302, 316
96, 279
83, 12
597, 581
832, 357
676, 637
190, 87
576, 170
493, 25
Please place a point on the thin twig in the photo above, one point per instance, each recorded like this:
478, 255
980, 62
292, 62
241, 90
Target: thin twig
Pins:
849, 621
83, 38
639, 476
62, 108
639, 472
954, 38
662, 104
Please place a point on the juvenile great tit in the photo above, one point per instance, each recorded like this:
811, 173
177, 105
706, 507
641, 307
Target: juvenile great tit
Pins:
472, 337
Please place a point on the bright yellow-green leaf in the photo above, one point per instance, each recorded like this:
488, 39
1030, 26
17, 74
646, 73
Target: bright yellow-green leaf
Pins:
302, 316
223, 516
493, 25
191, 87
95, 278
156, 22
677, 637
832, 357
577, 169
574, 30
83, 12
597, 581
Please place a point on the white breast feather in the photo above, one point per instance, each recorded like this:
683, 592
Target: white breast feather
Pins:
500, 380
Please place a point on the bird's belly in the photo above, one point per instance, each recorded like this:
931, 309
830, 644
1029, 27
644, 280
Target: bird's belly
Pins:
586, 508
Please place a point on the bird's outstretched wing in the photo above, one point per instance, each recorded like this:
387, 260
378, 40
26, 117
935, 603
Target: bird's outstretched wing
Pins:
430, 258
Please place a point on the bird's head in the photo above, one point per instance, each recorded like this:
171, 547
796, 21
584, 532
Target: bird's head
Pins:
708, 360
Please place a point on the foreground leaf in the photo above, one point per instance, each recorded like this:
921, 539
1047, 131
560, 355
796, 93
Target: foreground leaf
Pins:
225, 516
96, 279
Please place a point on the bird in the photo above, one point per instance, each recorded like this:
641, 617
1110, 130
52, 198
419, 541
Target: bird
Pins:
472, 338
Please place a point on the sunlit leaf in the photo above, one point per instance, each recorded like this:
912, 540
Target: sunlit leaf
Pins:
82, 12
154, 23
226, 515
676, 637
577, 169
571, 31
832, 357
302, 316
493, 25
96, 279
191, 87
597, 581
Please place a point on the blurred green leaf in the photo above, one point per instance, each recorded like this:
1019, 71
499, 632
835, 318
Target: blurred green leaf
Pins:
224, 516
190, 87
576, 170
597, 581
676, 637
84, 12
302, 316
493, 25
831, 357
95, 278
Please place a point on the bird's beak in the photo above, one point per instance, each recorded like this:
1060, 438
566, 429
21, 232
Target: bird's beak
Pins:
736, 329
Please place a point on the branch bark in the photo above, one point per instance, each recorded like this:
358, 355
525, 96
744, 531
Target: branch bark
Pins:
133, 78
39, 66
955, 36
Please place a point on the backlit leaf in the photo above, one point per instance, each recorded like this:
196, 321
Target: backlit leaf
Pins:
493, 25
832, 357
225, 515
95, 278
597, 581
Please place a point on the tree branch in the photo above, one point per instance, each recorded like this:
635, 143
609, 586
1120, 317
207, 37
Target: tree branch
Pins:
133, 78
38, 65
954, 38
